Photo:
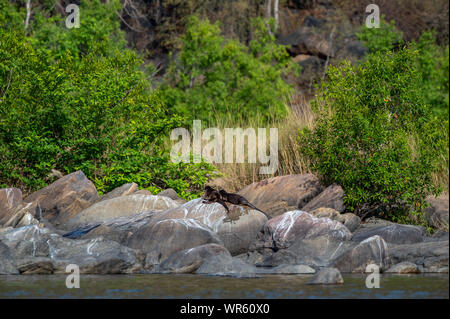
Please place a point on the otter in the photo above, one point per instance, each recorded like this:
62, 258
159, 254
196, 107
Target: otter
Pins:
238, 200
213, 196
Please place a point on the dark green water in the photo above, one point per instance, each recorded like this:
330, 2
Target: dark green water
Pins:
195, 286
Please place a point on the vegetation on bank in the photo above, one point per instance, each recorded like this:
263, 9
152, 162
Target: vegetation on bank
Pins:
80, 99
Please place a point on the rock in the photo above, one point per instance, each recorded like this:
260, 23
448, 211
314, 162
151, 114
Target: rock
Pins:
64, 198
281, 231
351, 221
36, 266
404, 268
306, 41
172, 195
326, 276
223, 265
161, 239
93, 256
142, 192
429, 256
280, 194
23, 215
27, 241
7, 264
251, 257
395, 234
437, 213
237, 230
285, 269
373, 250
10, 200
33, 248
119, 207
315, 253
124, 190
331, 197
189, 260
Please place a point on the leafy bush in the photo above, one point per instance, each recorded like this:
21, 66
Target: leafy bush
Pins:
384, 38
216, 77
375, 136
95, 112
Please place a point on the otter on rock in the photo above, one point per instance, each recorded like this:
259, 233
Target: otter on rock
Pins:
238, 200
213, 196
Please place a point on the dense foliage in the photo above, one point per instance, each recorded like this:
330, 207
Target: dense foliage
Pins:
214, 77
83, 105
376, 136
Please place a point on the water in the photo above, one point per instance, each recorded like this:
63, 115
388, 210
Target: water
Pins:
196, 286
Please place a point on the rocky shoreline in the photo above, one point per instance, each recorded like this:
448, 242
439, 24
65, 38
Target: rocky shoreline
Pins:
132, 231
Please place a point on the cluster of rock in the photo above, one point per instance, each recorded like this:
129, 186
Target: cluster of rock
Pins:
132, 231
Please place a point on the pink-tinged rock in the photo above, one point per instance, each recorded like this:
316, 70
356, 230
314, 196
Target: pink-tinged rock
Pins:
64, 198
280, 194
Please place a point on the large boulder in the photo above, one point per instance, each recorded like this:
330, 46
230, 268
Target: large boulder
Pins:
286, 269
404, 268
437, 213
189, 260
7, 263
280, 194
159, 240
331, 197
64, 198
237, 229
429, 256
38, 250
373, 250
351, 221
124, 190
223, 265
93, 256
10, 203
283, 230
316, 253
169, 192
394, 234
120, 207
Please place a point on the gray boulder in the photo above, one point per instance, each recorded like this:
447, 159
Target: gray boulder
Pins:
437, 213
120, 207
7, 263
373, 250
237, 229
223, 265
326, 276
124, 190
283, 230
404, 268
331, 197
394, 234
189, 260
159, 240
429, 256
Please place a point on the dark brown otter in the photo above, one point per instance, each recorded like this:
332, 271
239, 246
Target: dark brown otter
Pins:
238, 200
213, 196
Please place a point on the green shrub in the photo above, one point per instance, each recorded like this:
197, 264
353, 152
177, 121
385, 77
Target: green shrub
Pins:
375, 136
384, 38
215, 77
95, 112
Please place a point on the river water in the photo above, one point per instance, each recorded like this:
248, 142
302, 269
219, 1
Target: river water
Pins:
196, 286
